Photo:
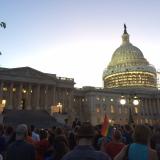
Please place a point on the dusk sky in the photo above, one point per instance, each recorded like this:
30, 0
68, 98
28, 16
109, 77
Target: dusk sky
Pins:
76, 38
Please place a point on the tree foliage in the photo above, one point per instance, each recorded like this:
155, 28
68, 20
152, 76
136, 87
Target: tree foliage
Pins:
3, 25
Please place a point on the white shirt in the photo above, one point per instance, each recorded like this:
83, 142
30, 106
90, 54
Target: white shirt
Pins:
35, 136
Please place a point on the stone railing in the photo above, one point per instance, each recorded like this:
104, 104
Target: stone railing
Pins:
65, 79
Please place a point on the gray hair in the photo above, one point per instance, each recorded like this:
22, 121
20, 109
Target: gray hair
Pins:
21, 131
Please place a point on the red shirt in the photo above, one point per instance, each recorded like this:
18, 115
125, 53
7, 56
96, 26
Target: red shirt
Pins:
41, 148
30, 140
112, 148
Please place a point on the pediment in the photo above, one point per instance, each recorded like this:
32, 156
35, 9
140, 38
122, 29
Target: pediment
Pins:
28, 73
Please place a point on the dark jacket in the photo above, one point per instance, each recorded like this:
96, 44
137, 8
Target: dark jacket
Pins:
2, 144
85, 153
20, 150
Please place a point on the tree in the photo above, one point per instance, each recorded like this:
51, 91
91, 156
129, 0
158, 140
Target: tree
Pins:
3, 25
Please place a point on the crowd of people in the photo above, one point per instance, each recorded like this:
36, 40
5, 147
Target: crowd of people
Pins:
79, 142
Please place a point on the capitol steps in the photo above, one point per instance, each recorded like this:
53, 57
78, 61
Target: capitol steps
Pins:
39, 118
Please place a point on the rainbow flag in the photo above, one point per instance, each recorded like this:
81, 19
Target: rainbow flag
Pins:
105, 131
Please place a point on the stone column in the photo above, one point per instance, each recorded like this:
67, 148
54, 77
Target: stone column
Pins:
154, 107
151, 107
146, 106
37, 96
1, 90
46, 97
57, 96
158, 106
19, 96
142, 107
29, 97
10, 105
71, 112
63, 100
34, 96
54, 96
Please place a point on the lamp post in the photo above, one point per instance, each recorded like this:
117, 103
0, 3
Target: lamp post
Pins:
131, 102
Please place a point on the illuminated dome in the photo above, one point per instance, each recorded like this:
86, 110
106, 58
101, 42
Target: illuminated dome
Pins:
129, 68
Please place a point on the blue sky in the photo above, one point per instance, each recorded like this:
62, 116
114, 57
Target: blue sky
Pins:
76, 38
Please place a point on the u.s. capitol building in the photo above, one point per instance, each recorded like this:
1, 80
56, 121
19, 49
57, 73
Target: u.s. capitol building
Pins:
130, 92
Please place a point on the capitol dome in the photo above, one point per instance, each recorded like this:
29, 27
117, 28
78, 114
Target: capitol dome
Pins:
129, 68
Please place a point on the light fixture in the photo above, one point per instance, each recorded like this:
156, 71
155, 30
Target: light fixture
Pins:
135, 102
136, 110
14, 89
97, 110
59, 105
111, 99
2, 105
4, 102
24, 91
98, 98
110, 120
122, 101
4, 88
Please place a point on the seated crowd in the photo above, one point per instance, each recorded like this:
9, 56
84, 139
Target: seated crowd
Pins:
80, 142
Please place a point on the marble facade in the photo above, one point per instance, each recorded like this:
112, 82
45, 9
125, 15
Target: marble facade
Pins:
93, 103
27, 88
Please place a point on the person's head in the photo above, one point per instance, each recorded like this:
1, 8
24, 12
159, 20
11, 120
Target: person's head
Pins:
127, 128
157, 131
43, 134
142, 134
29, 131
76, 129
60, 147
21, 132
53, 128
86, 132
51, 137
59, 131
117, 136
9, 130
1, 129
32, 127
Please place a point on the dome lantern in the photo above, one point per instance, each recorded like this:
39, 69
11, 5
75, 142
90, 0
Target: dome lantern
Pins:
125, 36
